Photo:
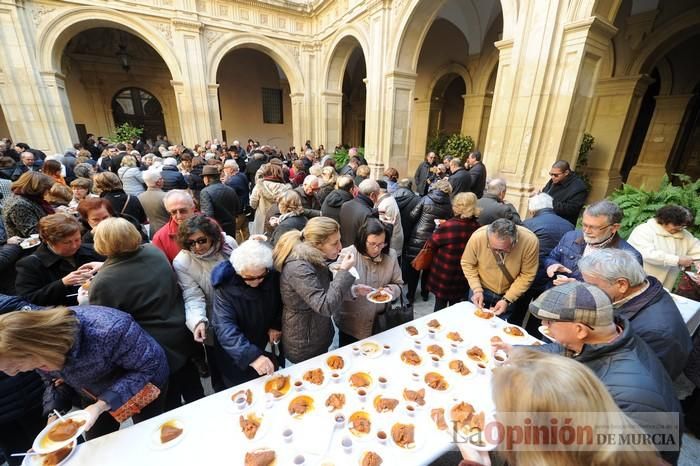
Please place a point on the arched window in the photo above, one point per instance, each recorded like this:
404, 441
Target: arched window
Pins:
139, 108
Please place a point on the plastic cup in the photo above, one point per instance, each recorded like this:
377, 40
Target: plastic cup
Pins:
335, 377
383, 381
299, 460
381, 437
298, 385
287, 435
347, 444
387, 349
339, 421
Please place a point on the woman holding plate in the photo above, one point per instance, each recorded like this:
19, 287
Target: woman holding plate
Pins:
378, 268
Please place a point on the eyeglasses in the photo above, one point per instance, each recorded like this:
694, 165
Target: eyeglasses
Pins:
201, 241
253, 279
595, 228
376, 245
183, 211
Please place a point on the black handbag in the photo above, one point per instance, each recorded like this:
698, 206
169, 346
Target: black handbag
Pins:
397, 312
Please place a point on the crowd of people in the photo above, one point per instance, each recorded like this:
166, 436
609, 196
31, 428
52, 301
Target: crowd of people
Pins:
157, 264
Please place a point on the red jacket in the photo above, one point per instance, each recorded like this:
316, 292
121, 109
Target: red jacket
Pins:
446, 279
165, 239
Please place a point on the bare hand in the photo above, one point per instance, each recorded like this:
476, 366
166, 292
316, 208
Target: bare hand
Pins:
478, 299
94, 410
347, 262
683, 261
274, 335
76, 277
561, 279
501, 345
387, 290
470, 454
14, 240
554, 268
263, 365
274, 221
92, 267
362, 290
261, 238
500, 307
200, 332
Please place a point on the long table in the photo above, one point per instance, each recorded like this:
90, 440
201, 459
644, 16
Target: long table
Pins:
212, 435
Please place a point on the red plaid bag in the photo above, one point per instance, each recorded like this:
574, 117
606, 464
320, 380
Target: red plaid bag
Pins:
136, 403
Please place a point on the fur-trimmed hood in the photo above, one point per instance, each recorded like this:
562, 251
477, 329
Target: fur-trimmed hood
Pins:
307, 253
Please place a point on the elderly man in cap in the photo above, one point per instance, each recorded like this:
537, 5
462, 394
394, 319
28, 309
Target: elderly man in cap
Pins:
219, 201
641, 299
579, 318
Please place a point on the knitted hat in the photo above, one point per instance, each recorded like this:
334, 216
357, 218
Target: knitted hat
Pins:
574, 302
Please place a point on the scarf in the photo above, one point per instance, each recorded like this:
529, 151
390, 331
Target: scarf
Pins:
45, 206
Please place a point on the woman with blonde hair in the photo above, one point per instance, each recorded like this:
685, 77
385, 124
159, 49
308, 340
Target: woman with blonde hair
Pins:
310, 294
266, 193
328, 178
131, 176
126, 281
291, 215
101, 355
552, 384
448, 241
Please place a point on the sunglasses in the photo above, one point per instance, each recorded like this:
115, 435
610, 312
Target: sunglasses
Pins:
252, 279
199, 241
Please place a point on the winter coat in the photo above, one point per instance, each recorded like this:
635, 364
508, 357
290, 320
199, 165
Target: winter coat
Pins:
406, 200
264, 195
39, 275
568, 197
357, 314
323, 193
22, 393
421, 177
390, 213
221, 203
243, 315
493, 208
132, 180
570, 250
448, 241
152, 202
112, 357
461, 181
126, 204
661, 250
9, 255
21, 216
306, 201
165, 239
353, 215
239, 183
549, 229
172, 178
436, 205
655, 318
333, 202
309, 299
632, 374
478, 175
194, 277
288, 223
126, 282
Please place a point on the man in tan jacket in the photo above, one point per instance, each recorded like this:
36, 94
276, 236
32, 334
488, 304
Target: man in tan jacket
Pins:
500, 263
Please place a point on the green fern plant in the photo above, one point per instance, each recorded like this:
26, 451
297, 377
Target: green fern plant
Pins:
125, 133
458, 146
640, 205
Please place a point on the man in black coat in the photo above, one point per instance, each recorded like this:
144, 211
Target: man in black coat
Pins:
580, 317
422, 175
477, 171
307, 192
252, 167
336, 198
172, 178
460, 179
354, 213
219, 201
493, 205
406, 199
567, 189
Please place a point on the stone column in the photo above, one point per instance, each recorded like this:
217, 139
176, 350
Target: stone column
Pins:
611, 121
299, 123
477, 109
192, 93
331, 131
213, 101
396, 131
59, 114
377, 109
539, 111
659, 141
419, 137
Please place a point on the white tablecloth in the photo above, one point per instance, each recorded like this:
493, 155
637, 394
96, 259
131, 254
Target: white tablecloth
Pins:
690, 310
212, 434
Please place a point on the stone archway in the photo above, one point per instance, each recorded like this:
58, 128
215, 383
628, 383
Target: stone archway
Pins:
52, 40
141, 109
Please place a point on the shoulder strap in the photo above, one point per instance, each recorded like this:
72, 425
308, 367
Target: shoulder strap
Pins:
502, 266
128, 198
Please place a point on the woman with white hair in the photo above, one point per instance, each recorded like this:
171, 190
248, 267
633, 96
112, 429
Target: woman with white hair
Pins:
247, 312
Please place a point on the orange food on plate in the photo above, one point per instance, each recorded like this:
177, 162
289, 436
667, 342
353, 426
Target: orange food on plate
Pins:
436, 350
436, 381
476, 354
459, 367
404, 435
248, 395
455, 336
513, 331
411, 330
483, 314
416, 396
250, 425
169, 432
301, 405
335, 362
385, 405
359, 423
278, 386
438, 415
434, 324
411, 358
380, 296
335, 401
360, 380
55, 457
370, 458
314, 376
262, 457
496, 339
63, 430
466, 418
